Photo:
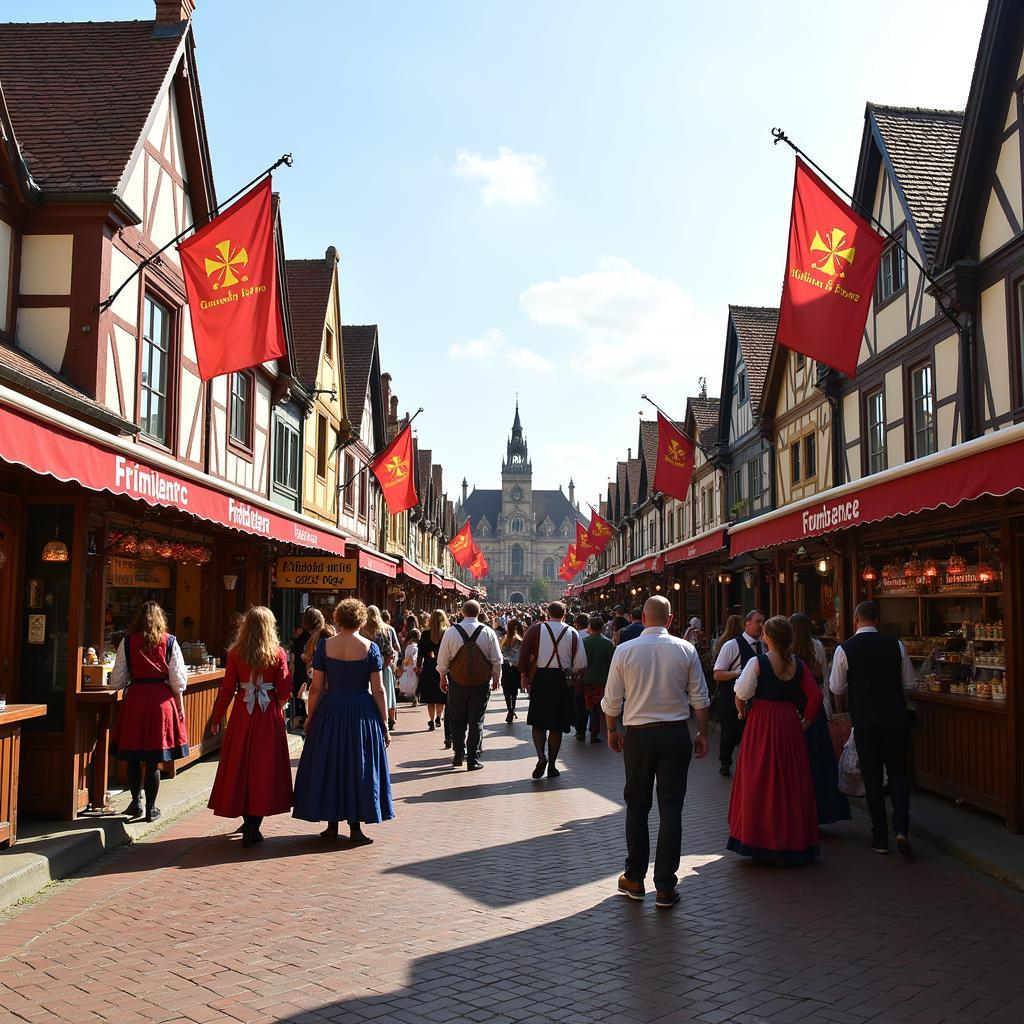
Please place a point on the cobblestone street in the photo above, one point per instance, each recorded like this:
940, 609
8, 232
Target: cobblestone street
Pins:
491, 898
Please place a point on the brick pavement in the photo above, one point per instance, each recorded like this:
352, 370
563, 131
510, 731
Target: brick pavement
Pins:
490, 898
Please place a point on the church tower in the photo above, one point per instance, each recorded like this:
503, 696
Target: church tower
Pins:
516, 525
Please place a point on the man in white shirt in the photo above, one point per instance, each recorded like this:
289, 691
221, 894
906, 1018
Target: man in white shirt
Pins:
659, 680
731, 660
876, 670
467, 697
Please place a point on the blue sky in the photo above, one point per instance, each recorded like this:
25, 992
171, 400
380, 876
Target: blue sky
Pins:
555, 197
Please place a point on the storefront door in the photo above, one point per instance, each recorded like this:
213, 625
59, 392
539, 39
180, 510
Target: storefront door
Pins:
8, 602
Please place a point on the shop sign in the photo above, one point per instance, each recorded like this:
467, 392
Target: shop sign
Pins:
311, 573
130, 572
829, 517
37, 629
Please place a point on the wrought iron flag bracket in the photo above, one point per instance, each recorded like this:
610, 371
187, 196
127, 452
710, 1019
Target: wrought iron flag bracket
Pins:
692, 440
376, 455
285, 160
942, 297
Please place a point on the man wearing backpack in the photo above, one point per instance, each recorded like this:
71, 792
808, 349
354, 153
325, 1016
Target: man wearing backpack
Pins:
469, 658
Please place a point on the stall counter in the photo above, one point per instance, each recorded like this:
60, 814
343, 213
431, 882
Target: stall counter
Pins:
11, 718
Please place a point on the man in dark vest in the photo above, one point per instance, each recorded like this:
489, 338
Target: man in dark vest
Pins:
876, 671
730, 662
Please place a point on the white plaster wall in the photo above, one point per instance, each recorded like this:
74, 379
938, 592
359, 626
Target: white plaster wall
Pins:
191, 396
46, 264
895, 443
6, 270
996, 230
127, 353
993, 323
43, 333
126, 305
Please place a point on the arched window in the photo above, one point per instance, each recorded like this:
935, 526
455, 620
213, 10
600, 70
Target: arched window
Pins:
517, 524
516, 560
549, 568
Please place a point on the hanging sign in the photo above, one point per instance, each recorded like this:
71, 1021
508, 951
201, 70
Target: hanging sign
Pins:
306, 572
130, 572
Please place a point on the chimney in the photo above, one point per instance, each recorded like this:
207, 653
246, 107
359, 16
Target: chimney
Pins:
393, 414
629, 454
385, 386
572, 491
331, 256
465, 490
173, 12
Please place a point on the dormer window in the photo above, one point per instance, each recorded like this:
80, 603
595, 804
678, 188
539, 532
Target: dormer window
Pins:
892, 270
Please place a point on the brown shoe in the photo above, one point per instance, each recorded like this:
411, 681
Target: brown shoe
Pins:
668, 899
634, 890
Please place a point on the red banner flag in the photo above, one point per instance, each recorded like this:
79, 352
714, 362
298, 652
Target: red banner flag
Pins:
393, 468
831, 269
585, 546
230, 271
601, 531
461, 546
572, 563
565, 574
675, 461
479, 568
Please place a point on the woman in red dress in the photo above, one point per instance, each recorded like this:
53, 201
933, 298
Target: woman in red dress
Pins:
254, 776
772, 811
150, 728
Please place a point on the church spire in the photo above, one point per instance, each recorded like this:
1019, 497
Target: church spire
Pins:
517, 458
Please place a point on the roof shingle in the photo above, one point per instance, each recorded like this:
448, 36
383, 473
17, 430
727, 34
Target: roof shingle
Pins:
309, 295
755, 330
79, 95
922, 146
358, 342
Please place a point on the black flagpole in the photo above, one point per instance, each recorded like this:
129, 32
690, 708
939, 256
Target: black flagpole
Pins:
285, 159
707, 455
376, 455
780, 136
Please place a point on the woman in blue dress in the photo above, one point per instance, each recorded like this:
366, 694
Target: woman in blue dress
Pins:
343, 771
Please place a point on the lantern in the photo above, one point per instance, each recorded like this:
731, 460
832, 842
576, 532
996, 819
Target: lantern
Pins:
128, 544
931, 569
912, 567
55, 550
957, 565
149, 547
986, 574
869, 573
165, 548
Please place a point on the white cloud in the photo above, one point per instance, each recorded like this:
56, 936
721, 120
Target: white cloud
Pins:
633, 327
510, 177
493, 345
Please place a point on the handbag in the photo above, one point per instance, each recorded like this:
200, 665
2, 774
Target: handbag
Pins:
840, 725
851, 782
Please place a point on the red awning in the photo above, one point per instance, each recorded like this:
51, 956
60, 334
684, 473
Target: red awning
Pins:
598, 583
436, 580
703, 545
653, 564
992, 465
448, 584
376, 563
462, 589
82, 454
414, 572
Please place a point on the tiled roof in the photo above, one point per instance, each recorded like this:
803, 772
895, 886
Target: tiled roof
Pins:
309, 294
755, 330
922, 146
649, 448
553, 504
18, 367
633, 478
79, 95
423, 468
358, 342
705, 415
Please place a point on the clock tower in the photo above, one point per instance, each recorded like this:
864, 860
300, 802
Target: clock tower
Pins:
517, 493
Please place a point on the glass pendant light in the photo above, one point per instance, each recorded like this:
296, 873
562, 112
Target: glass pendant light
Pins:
869, 574
55, 550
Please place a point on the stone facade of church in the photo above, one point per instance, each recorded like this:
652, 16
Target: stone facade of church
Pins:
524, 533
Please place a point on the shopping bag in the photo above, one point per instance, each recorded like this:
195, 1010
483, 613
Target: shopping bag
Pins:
850, 780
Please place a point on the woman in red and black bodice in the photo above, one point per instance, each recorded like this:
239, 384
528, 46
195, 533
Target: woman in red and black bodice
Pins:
150, 728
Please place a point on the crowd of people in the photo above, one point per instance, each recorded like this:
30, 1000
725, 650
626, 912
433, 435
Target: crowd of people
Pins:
631, 679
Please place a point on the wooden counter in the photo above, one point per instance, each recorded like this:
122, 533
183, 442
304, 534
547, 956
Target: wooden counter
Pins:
97, 710
961, 748
10, 753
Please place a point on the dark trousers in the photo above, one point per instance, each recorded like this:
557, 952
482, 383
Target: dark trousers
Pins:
884, 750
657, 754
729, 720
466, 707
585, 718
